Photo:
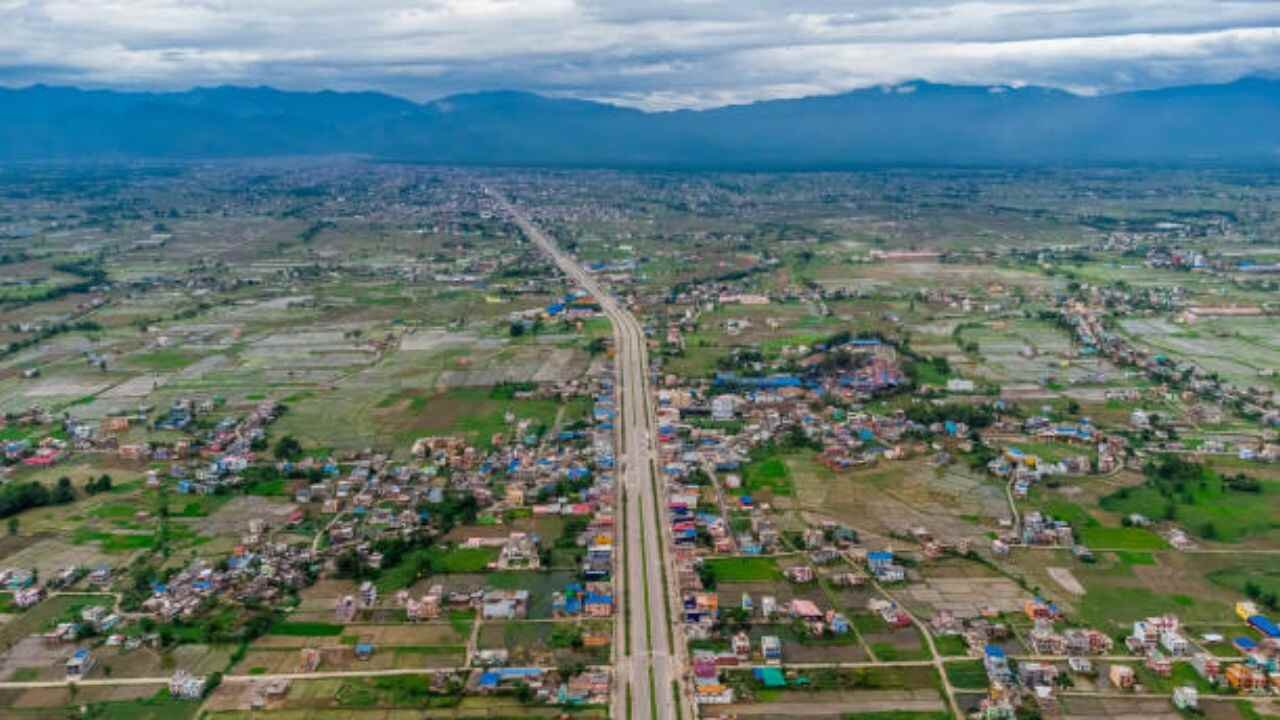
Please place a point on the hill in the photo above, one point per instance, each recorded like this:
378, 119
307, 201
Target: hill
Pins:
920, 123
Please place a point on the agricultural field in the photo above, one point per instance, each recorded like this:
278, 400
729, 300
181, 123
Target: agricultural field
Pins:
1242, 349
213, 378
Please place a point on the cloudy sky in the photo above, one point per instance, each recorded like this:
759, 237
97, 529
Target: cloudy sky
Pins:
646, 53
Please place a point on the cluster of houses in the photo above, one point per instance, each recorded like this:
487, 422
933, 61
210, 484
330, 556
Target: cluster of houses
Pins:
1086, 320
591, 687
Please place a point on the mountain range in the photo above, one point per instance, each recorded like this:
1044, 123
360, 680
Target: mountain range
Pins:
916, 123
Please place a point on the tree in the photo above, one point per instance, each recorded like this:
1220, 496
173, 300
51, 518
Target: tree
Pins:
288, 448
524, 693
62, 492
98, 485
212, 683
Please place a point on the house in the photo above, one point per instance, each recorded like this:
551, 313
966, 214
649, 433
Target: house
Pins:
504, 604
800, 574
771, 649
368, 594
1080, 666
597, 603
996, 663
1122, 677
741, 645
723, 407
309, 660
79, 664
713, 694
1245, 610
1174, 643
28, 596
805, 610
1186, 697
1243, 678
1264, 625
519, 552
838, 623
881, 564
186, 686
1033, 674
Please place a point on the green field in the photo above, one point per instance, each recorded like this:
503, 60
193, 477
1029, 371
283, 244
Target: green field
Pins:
1090, 531
967, 675
158, 360
743, 570
769, 473
1122, 538
1258, 579
434, 560
1199, 499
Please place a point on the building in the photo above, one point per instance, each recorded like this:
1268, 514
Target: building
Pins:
79, 664
1122, 677
1186, 698
771, 649
186, 686
881, 564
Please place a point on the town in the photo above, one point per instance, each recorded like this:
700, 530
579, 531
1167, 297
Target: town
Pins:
343, 439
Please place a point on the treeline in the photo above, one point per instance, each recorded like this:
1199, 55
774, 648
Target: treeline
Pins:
17, 346
90, 272
17, 497
314, 229
975, 416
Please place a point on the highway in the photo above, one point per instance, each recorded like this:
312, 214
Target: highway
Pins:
646, 673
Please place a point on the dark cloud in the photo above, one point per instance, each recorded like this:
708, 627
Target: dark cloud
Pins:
659, 53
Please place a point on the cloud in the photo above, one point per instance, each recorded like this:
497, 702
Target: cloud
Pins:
654, 54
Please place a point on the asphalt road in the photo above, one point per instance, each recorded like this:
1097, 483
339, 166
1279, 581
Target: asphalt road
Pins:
652, 665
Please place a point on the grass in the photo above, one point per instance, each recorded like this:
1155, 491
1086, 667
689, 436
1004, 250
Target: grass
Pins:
1109, 606
951, 645
967, 675
267, 488
1264, 574
744, 569
164, 360
779, 472
769, 473
1122, 538
1129, 557
1183, 674
1248, 711
1090, 531
114, 542
391, 692
306, 629
434, 560
926, 373
472, 412
462, 560
1206, 508
157, 707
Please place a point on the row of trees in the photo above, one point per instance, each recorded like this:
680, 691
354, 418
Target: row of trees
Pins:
17, 497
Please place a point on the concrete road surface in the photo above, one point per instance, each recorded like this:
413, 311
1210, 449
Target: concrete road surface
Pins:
652, 666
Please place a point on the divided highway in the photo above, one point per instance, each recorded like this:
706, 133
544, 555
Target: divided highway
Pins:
648, 676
